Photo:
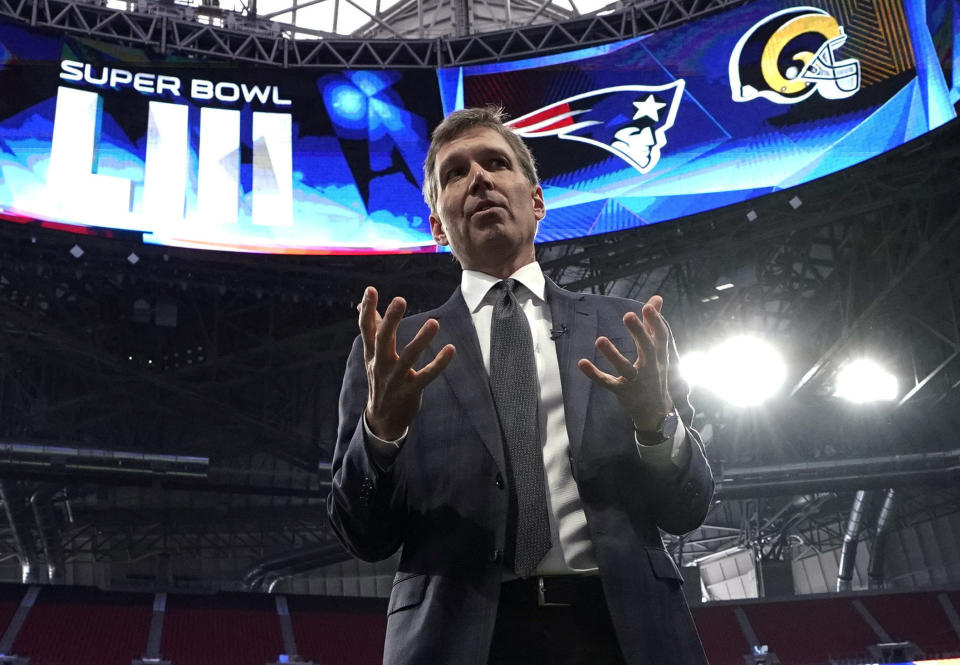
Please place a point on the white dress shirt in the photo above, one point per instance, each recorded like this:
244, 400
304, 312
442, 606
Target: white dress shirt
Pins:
572, 550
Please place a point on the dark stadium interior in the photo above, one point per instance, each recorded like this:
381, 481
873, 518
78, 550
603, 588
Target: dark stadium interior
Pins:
169, 416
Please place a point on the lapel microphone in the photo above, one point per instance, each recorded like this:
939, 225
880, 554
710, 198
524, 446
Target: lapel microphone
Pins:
557, 333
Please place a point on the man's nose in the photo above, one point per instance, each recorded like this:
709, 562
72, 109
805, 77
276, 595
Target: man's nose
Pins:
479, 178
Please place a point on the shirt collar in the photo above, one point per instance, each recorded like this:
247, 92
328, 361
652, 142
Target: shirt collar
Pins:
474, 285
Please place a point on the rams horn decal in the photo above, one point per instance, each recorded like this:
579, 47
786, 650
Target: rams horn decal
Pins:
791, 54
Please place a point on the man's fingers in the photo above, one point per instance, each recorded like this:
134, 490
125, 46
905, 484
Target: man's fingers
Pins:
439, 363
652, 317
645, 345
612, 353
367, 320
386, 337
410, 353
594, 374
657, 327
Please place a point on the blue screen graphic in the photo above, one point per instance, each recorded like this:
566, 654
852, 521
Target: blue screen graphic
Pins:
706, 114
723, 109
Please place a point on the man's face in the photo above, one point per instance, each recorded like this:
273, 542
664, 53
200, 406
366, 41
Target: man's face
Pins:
486, 211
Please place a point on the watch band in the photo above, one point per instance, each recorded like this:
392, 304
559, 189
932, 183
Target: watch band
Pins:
665, 432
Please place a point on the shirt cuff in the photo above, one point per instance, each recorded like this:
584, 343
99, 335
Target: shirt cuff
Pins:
384, 452
671, 456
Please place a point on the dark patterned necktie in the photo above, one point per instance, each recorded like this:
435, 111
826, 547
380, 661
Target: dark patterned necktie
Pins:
513, 377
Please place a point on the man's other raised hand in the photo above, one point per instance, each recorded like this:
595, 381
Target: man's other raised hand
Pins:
641, 386
395, 388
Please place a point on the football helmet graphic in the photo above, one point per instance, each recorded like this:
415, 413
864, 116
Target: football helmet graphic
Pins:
790, 55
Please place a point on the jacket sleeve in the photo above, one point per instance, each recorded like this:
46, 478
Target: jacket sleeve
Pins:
361, 501
681, 500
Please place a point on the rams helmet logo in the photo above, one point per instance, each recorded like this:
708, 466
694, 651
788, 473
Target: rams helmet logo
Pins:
790, 55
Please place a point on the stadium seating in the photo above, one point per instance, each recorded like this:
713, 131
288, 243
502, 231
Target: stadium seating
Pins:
10, 596
83, 626
811, 630
344, 631
720, 634
225, 628
70, 625
914, 617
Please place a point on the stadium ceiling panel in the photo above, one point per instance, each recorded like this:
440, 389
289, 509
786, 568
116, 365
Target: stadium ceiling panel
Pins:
420, 19
359, 33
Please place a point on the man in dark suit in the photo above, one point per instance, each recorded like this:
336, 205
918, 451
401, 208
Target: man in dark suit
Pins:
528, 463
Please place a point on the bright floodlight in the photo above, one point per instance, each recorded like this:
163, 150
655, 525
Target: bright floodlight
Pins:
742, 370
695, 368
865, 381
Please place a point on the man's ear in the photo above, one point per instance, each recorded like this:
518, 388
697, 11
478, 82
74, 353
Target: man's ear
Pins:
436, 229
539, 207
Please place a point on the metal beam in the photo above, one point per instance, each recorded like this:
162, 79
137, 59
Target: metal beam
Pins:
246, 37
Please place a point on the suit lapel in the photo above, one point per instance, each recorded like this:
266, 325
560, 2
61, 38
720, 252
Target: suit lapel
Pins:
572, 310
466, 374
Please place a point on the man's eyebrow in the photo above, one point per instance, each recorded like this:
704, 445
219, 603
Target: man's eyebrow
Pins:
499, 152
484, 153
452, 156
446, 163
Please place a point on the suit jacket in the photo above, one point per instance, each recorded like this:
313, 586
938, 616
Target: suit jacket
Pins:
444, 499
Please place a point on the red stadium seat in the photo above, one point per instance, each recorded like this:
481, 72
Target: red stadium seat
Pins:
339, 631
914, 617
222, 629
10, 597
83, 626
721, 635
811, 630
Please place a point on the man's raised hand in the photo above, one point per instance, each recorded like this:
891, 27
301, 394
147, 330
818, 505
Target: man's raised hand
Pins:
394, 387
641, 386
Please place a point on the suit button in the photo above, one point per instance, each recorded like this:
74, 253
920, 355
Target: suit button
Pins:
500, 482
496, 556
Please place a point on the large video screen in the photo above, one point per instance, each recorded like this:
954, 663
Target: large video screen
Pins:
234, 157
213, 155
714, 112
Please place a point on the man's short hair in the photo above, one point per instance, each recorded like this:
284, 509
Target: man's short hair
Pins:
456, 124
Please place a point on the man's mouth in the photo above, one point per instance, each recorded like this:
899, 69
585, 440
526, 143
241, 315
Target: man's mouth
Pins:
484, 205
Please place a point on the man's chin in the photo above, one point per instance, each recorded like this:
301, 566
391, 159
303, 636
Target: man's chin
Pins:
492, 235
493, 246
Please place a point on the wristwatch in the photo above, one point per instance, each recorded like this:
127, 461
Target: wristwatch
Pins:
665, 432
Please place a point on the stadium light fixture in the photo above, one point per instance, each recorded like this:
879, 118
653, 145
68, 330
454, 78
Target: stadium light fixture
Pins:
864, 380
743, 370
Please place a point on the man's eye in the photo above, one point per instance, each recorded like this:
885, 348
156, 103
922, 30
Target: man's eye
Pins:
499, 162
453, 174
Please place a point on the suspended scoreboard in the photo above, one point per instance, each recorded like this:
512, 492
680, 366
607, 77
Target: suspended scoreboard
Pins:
236, 157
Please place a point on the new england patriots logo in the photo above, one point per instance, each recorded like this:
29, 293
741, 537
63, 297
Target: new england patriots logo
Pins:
631, 121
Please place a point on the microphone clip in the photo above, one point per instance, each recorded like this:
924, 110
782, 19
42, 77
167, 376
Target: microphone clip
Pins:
557, 333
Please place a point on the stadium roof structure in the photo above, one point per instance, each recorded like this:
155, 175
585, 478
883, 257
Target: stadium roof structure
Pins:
405, 33
170, 421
